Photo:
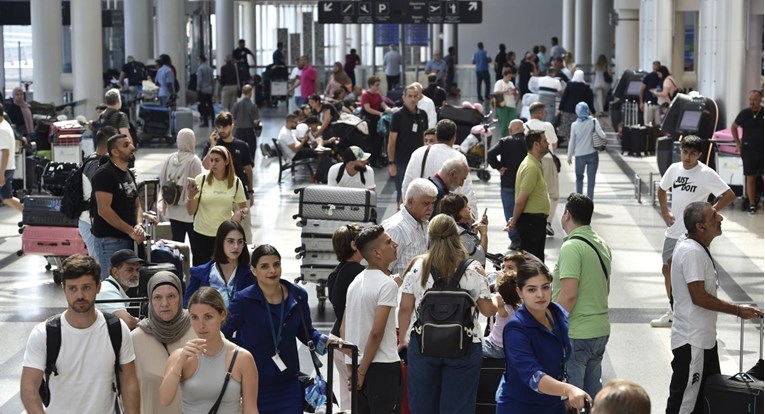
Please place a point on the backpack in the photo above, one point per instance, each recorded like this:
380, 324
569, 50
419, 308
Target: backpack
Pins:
53, 346
110, 118
444, 325
137, 73
72, 202
171, 190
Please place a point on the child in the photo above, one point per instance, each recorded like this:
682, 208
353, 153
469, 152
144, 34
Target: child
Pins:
506, 301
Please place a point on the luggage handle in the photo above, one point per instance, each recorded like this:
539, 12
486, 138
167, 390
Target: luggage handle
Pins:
354, 373
741, 341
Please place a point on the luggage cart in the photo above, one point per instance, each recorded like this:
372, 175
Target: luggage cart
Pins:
155, 123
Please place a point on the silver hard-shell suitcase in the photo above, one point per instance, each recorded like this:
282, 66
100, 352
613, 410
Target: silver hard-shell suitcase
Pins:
337, 203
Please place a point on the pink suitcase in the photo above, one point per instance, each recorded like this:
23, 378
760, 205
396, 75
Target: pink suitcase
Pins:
725, 141
70, 127
52, 241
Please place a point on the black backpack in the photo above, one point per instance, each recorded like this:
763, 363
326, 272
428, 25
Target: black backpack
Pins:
53, 346
72, 202
137, 73
444, 325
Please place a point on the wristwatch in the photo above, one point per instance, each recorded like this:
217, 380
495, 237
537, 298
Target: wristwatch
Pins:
391, 162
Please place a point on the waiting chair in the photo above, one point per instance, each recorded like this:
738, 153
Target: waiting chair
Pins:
287, 164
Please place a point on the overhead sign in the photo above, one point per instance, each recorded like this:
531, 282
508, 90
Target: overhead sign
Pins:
401, 11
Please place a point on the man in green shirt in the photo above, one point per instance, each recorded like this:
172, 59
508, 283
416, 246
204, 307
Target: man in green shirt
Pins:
531, 200
581, 285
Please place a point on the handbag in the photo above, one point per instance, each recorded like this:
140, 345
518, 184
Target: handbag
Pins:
598, 142
214, 408
314, 388
607, 77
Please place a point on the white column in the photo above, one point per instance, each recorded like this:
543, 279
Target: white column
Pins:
47, 30
171, 35
753, 56
224, 30
437, 41
721, 45
87, 55
139, 30
248, 14
2, 66
566, 38
583, 32
626, 37
602, 31
449, 38
341, 41
657, 21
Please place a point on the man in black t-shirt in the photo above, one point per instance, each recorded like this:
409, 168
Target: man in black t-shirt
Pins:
650, 81
112, 116
506, 156
526, 70
750, 145
117, 222
223, 135
406, 129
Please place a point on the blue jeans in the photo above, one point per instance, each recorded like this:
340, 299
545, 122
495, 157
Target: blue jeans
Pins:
106, 246
88, 237
300, 101
482, 76
441, 385
591, 162
583, 367
508, 204
399, 179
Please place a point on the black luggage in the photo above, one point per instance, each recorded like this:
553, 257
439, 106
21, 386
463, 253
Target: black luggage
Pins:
638, 138
337, 203
739, 394
354, 374
45, 210
666, 147
55, 175
491, 373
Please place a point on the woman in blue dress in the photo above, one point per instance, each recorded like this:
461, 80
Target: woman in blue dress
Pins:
536, 350
265, 319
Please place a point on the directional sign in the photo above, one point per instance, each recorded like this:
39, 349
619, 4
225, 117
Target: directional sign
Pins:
400, 11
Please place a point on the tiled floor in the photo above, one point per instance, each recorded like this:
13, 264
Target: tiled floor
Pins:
633, 230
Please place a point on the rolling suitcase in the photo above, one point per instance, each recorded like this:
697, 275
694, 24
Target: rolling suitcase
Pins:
44, 210
337, 203
638, 139
488, 382
740, 394
179, 119
354, 374
52, 241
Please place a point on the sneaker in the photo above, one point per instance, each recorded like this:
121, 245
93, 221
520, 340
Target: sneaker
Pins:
665, 321
549, 230
752, 210
265, 150
515, 246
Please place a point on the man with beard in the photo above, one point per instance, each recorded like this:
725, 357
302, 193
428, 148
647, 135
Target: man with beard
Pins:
117, 224
353, 172
124, 275
85, 367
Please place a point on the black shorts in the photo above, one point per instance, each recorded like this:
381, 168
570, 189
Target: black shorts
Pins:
754, 163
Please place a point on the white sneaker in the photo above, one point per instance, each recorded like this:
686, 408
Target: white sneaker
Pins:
665, 321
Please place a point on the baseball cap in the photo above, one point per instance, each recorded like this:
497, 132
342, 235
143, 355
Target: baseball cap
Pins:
354, 153
125, 256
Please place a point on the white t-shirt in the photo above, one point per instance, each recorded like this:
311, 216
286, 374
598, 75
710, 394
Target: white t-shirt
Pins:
439, 153
372, 288
109, 291
472, 281
351, 181
688, 186
427, 105
85, 366
548, 128
8, 141
287, 137
507, 88
692, 324
295, 74
549, 85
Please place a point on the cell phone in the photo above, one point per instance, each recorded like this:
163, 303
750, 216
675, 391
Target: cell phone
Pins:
484, 211
191, 180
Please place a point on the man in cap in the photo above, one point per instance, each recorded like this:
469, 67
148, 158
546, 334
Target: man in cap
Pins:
124, 274
353, 172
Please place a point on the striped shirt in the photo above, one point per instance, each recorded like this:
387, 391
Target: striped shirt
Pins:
411, 237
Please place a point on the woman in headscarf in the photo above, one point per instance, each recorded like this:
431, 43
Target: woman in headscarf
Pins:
576, 91
176, 170
167, 328
582, 147
20, 112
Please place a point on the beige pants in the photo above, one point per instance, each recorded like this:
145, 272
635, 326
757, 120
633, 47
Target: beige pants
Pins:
551, 178
651, 114
228, 97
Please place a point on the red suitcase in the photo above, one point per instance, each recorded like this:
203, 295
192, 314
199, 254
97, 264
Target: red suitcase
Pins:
52, 241
70, 127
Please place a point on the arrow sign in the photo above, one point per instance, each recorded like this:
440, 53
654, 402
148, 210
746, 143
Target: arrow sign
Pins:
473, 6
328, 7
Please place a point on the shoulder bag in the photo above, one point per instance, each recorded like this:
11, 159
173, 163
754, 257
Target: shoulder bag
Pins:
598, 142
215, 406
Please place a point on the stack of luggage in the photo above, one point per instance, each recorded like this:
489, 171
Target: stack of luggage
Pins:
322, 210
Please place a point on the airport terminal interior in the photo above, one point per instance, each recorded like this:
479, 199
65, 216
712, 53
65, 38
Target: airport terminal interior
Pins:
714, 49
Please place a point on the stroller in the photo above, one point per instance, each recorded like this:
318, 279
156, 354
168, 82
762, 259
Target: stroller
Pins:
465, 118
474, 139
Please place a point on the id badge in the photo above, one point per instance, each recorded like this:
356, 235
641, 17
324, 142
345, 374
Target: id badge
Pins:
279, 363
414, 128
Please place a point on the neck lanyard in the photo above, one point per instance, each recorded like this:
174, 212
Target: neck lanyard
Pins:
276, 334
